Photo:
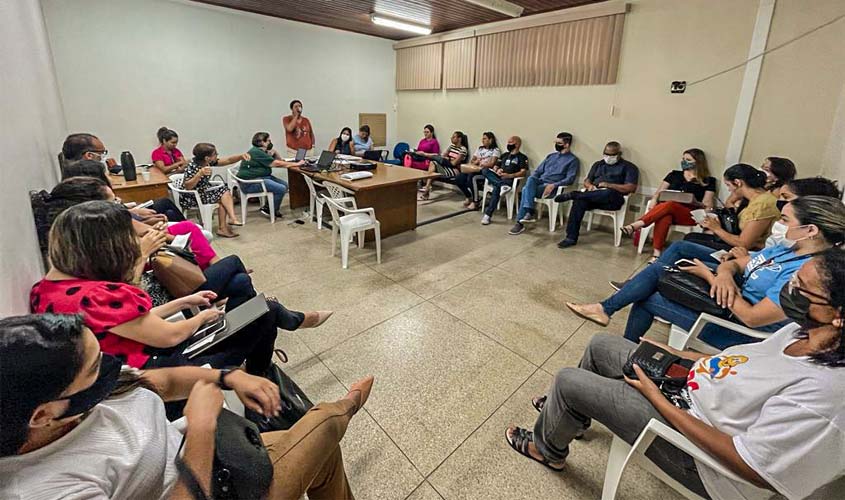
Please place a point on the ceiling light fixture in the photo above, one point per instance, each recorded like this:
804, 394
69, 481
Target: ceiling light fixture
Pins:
390, 22
501, 6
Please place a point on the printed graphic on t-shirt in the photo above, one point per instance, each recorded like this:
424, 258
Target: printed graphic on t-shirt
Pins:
715, 368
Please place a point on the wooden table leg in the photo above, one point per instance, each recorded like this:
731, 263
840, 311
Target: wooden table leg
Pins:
395, 206
298, 194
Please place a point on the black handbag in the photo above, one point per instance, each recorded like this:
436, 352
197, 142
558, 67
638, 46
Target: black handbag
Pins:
691, 292
295, 403
729, 219
668, 371
241, 468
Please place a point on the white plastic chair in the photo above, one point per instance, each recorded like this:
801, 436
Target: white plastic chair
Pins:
682, 340
553, 206
618, 217
509, 197
263, 197
206, 210
315, 200
352, 221
646, 231
621, 454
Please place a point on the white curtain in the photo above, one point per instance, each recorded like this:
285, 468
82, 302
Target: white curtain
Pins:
31, 132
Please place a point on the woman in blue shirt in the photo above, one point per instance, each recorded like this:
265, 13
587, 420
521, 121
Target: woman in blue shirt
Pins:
749, 286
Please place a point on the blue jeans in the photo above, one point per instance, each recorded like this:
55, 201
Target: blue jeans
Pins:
533, 188
496, 182
273, 184
641, 291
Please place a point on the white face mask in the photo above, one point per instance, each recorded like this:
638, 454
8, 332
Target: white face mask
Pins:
779, 231
611, 159
344, 137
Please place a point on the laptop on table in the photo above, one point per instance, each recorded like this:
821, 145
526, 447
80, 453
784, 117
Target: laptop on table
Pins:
322, 165
374, 155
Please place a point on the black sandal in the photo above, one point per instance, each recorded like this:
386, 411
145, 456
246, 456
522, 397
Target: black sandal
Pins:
521, 439
628, 230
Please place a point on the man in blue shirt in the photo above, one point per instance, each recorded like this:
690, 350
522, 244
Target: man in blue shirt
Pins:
557, 169
605, 187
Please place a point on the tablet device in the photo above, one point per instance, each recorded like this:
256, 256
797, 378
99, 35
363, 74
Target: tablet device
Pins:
677, 196
229, 324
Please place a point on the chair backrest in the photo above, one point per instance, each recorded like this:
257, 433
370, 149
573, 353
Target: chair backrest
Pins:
334, 190
335, 208
176, 182
400, 148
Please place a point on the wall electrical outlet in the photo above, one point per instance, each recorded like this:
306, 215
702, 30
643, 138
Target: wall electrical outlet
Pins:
678, 87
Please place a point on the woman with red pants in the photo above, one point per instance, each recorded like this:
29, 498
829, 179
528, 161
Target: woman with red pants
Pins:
693, 177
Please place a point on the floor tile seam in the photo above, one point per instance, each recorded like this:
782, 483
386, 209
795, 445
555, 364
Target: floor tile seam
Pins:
424, 481
559, 348
375, 421
365, 330
489, 336
480, 425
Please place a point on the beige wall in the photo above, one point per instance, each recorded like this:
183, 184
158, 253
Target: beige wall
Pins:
799, 87
664, 40
127, 67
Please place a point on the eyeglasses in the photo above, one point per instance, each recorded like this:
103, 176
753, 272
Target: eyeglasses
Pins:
793, 285
102, 153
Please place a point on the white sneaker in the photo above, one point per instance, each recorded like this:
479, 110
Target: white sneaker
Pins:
485, 220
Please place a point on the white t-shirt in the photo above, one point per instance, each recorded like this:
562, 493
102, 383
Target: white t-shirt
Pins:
125, 449
786, 415
483, 153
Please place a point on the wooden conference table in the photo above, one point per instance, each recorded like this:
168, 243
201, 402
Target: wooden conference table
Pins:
391, 191
140, 190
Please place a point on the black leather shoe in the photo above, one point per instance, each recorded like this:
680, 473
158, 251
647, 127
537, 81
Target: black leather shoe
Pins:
566, 243
563, 197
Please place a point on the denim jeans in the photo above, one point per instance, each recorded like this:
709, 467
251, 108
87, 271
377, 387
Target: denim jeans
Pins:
228, 279
641, 291
273, 184
496, 182
604, 199
532, 189
465, 184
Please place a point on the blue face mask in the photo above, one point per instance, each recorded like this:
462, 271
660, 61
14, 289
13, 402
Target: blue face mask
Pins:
687, 165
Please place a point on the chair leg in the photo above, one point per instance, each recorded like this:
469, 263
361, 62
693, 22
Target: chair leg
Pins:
644, 232
377, 231
553, 208
509, 202
334, 240
617, 231
617, 459
361, 237
243, 208
484, 199
318, 215
270, 205
589, 218
207, 218
344, 247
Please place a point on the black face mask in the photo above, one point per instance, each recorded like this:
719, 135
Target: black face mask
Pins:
269, 145
797, 308
780, 204
86, 399
559, 147
511, 147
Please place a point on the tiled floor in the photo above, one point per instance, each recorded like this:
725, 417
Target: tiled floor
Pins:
461, 325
